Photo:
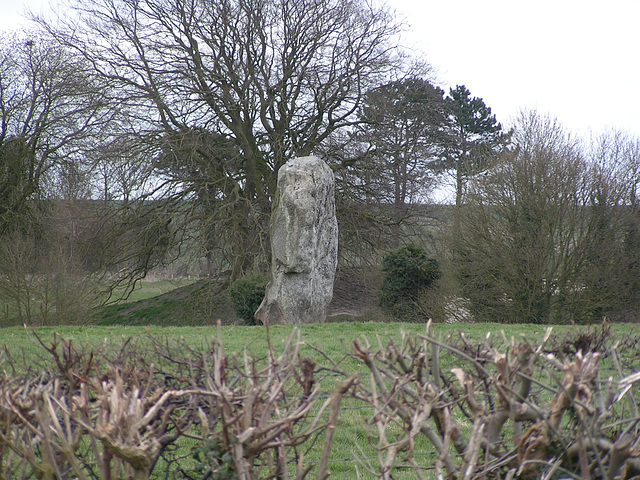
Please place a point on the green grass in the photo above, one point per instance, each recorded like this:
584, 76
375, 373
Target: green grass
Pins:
333, 339
148, 289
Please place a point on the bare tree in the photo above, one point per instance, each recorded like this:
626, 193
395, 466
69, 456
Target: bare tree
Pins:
50, 105
273, 79
545, 236
612, 265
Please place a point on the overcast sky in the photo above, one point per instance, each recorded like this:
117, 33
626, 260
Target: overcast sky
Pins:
577, 60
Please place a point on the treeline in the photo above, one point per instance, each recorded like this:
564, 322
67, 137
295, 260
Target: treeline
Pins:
174, 117
552, 234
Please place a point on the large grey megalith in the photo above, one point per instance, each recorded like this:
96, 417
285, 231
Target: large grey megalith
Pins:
304, 245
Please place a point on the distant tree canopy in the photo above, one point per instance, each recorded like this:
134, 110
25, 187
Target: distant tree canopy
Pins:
411, 132
50, 107
403, 133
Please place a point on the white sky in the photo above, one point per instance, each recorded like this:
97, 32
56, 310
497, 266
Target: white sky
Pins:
577, 60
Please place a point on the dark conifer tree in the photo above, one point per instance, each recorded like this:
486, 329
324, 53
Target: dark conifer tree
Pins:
478, 137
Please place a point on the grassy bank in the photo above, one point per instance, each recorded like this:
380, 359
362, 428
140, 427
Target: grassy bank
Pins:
145, 289
332, 338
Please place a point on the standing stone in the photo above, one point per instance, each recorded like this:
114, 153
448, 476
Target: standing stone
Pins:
304, 244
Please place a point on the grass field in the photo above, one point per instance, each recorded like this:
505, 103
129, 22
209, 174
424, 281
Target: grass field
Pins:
333, 339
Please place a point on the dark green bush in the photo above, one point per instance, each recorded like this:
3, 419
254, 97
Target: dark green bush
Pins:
213, 461
246, 295
408, 272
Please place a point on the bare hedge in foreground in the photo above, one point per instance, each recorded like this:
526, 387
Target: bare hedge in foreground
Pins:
516, 413
434, 409
244, 418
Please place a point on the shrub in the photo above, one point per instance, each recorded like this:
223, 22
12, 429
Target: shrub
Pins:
127, 416
408, 272
246, 295
42, 284
489, 418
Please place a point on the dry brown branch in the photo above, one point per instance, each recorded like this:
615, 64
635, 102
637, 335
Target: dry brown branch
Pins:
248, 415
509, 413
487, 411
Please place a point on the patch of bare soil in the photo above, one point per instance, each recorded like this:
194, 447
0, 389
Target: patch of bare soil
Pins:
355, 291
